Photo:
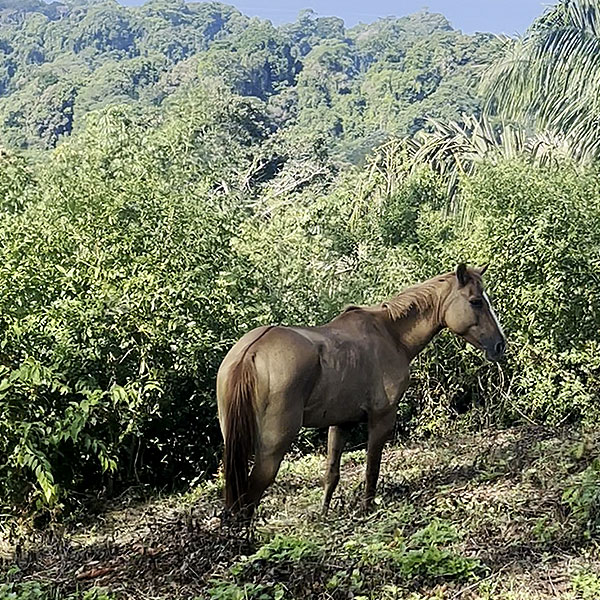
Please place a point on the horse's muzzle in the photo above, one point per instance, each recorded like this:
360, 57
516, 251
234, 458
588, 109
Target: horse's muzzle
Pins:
495, 350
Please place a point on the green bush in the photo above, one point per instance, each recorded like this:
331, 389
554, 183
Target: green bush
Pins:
424, 554
35, 590
540, 230
119, 293
376, 230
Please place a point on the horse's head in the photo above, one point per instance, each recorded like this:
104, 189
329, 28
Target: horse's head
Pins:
469, 313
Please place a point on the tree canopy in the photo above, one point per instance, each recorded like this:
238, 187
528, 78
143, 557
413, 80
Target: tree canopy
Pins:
364, 83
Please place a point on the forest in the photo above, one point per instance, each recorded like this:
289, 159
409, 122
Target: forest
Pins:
175, 174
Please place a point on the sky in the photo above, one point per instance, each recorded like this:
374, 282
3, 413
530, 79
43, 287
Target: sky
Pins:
497, 16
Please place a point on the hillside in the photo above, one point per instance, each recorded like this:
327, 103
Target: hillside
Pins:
60, 61
179, 174
510, 514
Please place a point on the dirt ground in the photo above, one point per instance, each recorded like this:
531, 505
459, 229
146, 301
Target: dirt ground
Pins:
512, 514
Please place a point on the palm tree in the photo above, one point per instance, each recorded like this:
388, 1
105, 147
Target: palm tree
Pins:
453, 149
549, 80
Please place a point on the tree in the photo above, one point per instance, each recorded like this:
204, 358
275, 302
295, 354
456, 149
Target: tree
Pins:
257, 62
550, 78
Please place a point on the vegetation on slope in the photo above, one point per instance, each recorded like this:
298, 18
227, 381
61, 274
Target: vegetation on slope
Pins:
222, 194
510, 515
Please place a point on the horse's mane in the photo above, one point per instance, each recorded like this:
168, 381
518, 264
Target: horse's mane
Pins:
418, 297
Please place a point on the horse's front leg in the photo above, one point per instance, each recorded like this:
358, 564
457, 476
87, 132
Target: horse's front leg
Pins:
335, 446
381, 427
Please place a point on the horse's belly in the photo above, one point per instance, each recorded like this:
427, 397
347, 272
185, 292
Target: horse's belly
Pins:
336, 406
351, 400
325, 416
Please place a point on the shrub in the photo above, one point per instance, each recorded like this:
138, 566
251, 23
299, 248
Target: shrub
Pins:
119, 292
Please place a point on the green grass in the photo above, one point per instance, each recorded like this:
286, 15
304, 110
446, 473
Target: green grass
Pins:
35, 590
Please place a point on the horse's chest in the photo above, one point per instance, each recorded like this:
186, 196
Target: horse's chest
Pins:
395, 382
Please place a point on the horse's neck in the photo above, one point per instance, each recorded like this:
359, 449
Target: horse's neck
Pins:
415, 330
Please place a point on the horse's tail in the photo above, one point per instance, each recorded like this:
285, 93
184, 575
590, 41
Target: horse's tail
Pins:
240, 431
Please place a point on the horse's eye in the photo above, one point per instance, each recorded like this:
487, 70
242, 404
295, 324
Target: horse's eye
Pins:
477, 302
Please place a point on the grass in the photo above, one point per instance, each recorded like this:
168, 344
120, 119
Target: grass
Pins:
507, 515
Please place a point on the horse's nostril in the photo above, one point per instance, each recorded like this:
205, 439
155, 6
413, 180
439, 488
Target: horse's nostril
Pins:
500, 347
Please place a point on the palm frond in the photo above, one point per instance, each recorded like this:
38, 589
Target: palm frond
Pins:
549, 80
456, 148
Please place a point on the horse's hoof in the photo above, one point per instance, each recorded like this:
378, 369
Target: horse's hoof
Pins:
367, 507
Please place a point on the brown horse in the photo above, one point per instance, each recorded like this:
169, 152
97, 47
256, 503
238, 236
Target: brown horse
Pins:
277, 379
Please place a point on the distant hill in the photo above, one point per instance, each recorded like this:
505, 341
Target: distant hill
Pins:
61, 60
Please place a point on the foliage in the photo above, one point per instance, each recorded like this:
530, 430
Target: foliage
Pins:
422, 555
283, 548
34, 590
357, 567
536, 226
280, 552
17, 182
456, 148
206, 183
550, 78
586, 585
247, 591
57, 65
381, 228
109, 343
81, 56
583, 498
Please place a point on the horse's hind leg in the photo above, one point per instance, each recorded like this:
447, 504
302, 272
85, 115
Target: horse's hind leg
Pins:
336, 441
270, 453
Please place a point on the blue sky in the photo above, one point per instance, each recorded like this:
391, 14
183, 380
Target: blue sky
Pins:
497, 16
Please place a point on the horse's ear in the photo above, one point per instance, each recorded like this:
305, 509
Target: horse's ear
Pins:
482, 270
462, 274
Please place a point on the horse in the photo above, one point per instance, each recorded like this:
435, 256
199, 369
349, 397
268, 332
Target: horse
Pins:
355, 368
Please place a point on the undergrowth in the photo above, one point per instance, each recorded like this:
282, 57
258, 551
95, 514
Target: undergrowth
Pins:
499, 515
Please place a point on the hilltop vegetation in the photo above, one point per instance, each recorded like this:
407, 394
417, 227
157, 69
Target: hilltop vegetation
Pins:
60, 61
